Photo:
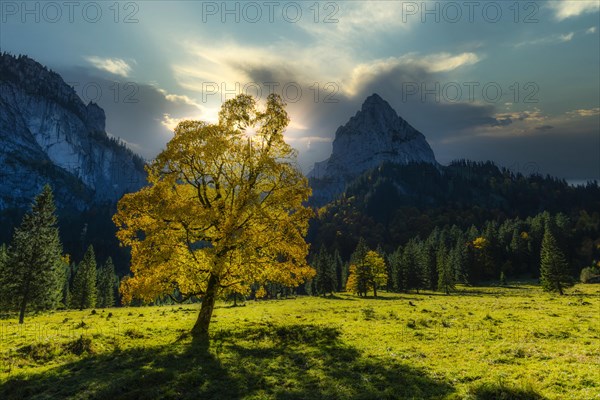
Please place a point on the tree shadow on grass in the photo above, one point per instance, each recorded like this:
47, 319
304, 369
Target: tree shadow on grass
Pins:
264, 361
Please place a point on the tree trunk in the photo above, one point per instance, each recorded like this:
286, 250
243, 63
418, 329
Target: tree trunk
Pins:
23, 306
24, 303
200, 329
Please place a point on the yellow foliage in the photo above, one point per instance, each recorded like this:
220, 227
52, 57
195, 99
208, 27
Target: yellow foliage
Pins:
66, 259
220, 203
480, 243
352, 281
524, 235
376, 265
261, 292
367, 274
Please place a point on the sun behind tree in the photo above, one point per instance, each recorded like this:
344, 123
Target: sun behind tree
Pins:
223, 210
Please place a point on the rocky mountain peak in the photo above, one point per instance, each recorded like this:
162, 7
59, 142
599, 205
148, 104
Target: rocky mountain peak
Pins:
375, 101
373, 136
375, 116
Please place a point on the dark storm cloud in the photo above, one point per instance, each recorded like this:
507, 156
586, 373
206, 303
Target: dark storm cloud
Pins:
571, 151
324, 113
544, 128
432, 116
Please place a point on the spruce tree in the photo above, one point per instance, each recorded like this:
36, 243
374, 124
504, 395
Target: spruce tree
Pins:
414, 276
326, 278
105, 287
428, 263
359, 274
554, 269
341, 270
83, 294
32, 275
396, 270
68, 284
3, 265
445, 273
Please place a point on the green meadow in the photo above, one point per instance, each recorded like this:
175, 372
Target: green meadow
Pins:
513, 342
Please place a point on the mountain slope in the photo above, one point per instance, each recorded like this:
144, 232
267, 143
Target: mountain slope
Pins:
393, 203
47, 134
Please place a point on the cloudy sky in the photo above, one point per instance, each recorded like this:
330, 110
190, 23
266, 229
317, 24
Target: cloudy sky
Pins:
516, 83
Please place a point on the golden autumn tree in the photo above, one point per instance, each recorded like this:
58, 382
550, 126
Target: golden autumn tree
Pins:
223, 210
369, 272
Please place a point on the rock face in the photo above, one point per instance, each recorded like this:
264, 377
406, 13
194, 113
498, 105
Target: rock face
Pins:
48, 135
374, 136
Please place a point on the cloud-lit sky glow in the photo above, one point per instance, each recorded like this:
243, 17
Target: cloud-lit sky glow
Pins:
514, 82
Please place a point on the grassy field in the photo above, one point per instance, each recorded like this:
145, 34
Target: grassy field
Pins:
486, 343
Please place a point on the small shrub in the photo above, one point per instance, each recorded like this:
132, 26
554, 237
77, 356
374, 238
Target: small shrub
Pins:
40, 352
133, 333
590, 275
411, 324
93, 312
79, 346
368, 313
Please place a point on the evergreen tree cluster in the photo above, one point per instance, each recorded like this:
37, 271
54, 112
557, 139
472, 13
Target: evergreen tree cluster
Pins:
89, 286
536, 247
391, 204
35, 275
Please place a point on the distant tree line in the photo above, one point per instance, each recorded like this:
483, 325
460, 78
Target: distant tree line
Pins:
36, 275
537, 247
392, 204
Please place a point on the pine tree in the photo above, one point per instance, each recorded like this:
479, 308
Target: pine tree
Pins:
105, 286
554, 269
396, 270
83, 294
32, 276
3, 266
68, 284
341, 270
414, 276
445, 275
66, 280
428, 263
517, 251
326, 278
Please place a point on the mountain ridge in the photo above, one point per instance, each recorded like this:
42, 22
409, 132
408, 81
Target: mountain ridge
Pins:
48, 135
